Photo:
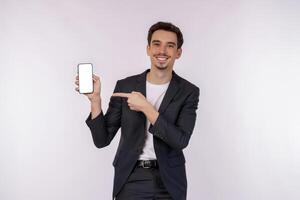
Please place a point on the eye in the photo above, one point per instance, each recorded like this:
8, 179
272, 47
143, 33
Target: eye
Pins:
171, 46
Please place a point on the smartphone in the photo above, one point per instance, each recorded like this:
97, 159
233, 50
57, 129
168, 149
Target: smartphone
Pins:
85, 73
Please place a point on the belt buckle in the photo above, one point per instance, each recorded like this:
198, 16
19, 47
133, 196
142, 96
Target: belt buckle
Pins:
143, 164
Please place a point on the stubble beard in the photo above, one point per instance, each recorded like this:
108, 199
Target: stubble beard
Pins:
161, 67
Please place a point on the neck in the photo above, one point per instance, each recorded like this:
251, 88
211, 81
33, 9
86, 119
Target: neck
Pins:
156, 76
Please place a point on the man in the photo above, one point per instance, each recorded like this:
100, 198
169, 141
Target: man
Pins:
156, 111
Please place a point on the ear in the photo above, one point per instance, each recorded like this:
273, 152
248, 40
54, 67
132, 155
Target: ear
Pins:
148, 50
178, 53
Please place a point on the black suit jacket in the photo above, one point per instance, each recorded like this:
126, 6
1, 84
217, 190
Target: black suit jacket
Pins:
171, 131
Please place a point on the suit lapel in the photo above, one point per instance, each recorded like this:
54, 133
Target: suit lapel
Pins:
170, 93
141, 83
141, 87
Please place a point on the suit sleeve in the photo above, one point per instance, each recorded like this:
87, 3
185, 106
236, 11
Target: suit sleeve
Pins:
105, 127
178, 135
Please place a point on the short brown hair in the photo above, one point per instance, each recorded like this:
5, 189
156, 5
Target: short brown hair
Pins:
167, 27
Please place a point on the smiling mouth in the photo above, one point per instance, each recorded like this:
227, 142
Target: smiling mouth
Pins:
161, 58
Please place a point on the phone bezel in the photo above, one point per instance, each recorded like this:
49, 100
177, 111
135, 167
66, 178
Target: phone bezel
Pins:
92, 77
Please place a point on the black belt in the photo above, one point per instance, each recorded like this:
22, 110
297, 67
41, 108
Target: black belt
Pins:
147, 163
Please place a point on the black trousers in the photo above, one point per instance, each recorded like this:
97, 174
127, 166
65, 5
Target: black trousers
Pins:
144, 184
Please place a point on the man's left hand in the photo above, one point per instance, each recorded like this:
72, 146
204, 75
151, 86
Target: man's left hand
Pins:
136, 100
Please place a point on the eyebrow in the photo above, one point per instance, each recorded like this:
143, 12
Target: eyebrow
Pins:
153, 41
173, 43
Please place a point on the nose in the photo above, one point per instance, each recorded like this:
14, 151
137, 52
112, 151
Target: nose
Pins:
162, 49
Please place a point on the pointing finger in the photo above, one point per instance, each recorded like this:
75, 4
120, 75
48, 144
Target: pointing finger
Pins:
120, 94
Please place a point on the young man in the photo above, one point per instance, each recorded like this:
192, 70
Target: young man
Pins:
156, 111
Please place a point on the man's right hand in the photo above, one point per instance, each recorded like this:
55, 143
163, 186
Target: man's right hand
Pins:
95, 96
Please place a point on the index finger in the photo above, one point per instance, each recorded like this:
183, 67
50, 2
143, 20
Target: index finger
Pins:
121, 94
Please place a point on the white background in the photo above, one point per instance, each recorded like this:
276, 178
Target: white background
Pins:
244, 55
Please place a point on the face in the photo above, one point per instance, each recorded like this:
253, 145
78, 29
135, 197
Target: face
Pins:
163, 49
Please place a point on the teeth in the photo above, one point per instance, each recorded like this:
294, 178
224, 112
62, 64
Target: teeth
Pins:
162, 59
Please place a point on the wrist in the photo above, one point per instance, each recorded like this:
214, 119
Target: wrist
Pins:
151, 113
95, 100
95, 108
147, 108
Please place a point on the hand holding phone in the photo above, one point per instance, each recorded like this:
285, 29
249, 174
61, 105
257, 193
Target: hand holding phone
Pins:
89, 85
85, 73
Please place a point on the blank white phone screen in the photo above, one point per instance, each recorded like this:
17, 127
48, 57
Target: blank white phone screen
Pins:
85, 73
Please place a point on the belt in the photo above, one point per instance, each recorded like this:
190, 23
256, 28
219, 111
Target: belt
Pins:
147, 164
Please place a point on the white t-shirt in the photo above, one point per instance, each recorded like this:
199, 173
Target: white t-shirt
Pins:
155, 94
